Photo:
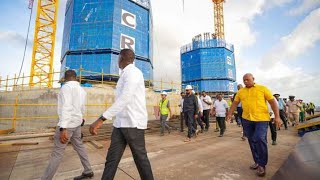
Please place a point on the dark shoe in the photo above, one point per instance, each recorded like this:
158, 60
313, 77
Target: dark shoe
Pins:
221, 135
274, 142
254, 166
169, 130
201, 131
261, 171
217, 130
84, 176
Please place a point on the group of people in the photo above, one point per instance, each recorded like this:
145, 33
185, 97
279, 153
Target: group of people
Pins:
130, 112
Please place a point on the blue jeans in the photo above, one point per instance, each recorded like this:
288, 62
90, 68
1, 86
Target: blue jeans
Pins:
256, 132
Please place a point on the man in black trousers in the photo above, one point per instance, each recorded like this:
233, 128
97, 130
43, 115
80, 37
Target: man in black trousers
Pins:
131, 119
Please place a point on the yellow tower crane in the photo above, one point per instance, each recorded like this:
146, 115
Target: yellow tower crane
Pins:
218, 18
41, 73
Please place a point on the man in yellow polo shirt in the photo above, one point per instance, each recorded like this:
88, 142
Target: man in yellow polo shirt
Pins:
256, 117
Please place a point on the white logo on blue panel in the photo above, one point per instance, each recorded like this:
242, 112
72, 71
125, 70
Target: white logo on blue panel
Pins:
128, 19
127, 42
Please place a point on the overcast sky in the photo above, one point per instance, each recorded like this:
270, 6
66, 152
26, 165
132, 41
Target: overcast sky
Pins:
276, 40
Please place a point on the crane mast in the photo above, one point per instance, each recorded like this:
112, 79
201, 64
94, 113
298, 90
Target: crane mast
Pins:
218, 18
41, 73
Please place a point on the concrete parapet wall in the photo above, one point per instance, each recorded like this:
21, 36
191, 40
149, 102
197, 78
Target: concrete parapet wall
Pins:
37, 109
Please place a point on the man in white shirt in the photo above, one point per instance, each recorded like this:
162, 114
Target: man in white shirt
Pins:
71, 108
200, 114
220, 108
181, 111
131, 120
206, 104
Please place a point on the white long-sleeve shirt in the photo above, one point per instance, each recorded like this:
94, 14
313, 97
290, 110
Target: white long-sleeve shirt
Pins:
129, 107
205, 105
71, 105
200, 105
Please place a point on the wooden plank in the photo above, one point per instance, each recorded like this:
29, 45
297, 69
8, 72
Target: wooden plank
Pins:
6, 131
96, 144
19, 143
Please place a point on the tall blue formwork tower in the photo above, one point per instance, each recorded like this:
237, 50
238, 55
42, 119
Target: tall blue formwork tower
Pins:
208, 64
96, 30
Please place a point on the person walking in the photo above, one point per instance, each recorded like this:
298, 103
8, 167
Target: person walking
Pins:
164, 110
273, 129
190, 110
239, 112
220, 108
293, 110
206, 104
312, 107
131, 119
254, 98
182, 94
302, 114
282, 110
200, 114
71, 109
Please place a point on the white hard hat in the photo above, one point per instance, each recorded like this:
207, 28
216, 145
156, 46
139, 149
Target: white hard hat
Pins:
189, 87
164, 93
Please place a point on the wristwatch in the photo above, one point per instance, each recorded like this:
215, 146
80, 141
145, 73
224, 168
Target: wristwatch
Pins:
61, 129
102, 118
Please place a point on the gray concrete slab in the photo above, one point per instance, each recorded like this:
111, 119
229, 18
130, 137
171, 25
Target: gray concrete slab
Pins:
205, 157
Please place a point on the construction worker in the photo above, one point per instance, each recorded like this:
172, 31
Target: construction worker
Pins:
190, 110
71, 108
131, 120
312, 107
255, 119
302, 114
164, 110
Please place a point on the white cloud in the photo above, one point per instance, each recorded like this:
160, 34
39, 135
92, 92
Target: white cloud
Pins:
288, 80
305, 6
274, 70
302, 38
13, 38
176, 27
275, 3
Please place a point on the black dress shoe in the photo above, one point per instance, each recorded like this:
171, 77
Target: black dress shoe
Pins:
84, 176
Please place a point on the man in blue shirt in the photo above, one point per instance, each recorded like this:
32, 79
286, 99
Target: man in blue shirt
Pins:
282, 107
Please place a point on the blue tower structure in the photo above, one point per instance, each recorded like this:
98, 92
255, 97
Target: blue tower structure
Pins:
96, 30
208, 64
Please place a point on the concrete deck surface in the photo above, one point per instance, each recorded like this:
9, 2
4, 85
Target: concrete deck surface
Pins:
205, 157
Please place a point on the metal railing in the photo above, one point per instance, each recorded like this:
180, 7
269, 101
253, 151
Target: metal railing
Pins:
16, 106
22, 83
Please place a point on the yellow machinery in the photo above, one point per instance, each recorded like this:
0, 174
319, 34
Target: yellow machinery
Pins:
44, 43
218, 18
